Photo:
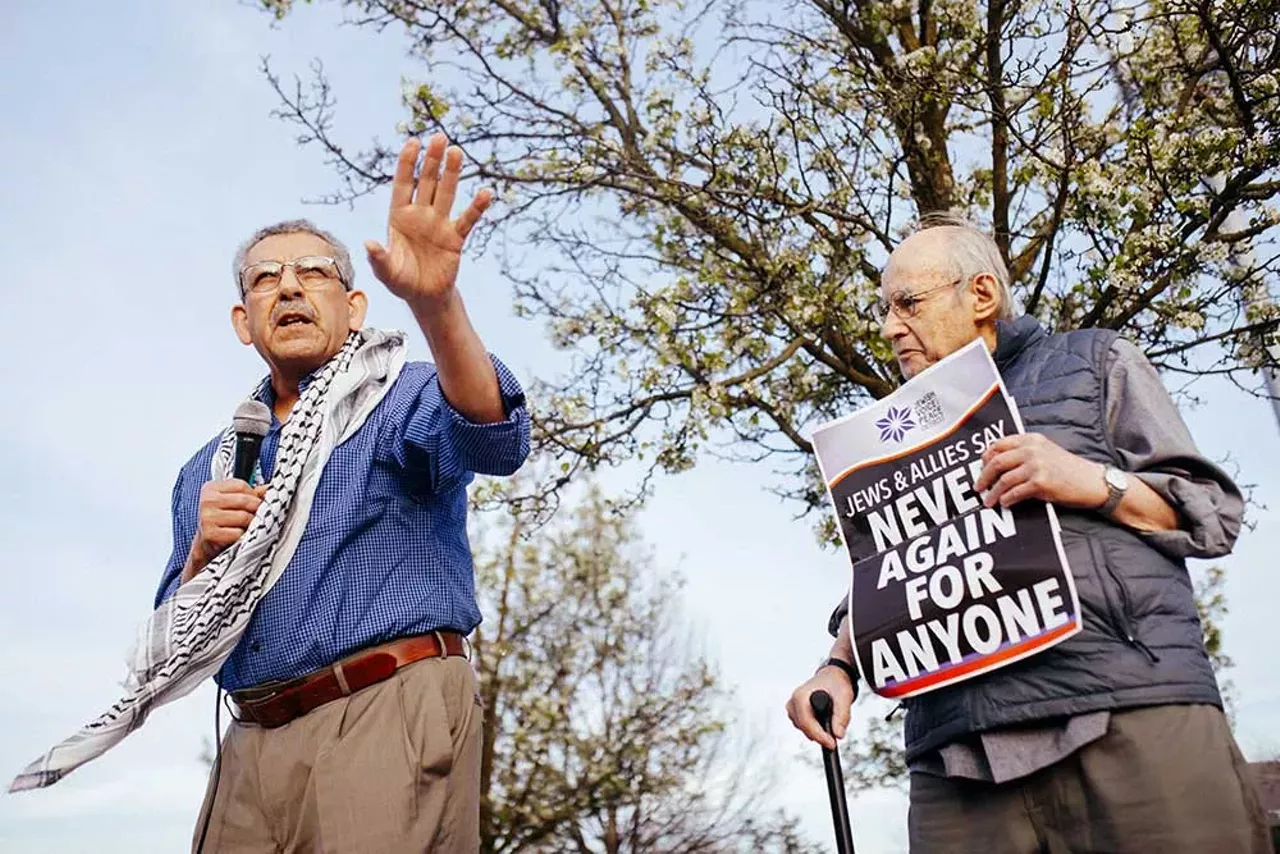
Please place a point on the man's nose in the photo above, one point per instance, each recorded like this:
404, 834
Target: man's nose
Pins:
891, 326
290, 287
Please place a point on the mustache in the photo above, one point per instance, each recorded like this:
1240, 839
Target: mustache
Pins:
300, 308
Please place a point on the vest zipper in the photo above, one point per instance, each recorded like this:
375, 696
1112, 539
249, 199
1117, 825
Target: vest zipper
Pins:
1146, 650
1125, 617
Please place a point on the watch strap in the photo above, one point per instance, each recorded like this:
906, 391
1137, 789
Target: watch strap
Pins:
1114, 495
849, 669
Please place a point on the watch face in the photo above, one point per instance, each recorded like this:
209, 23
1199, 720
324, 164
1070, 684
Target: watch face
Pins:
1117, 478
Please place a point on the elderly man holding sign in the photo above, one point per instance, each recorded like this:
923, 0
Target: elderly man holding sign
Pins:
1019, 530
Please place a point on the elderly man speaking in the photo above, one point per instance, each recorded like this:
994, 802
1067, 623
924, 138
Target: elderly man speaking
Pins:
1114, 740
332, 592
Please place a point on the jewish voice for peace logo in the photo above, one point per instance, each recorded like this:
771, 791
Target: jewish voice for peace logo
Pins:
895, 424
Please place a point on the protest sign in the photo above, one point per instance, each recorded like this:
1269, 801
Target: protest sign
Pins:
943, 589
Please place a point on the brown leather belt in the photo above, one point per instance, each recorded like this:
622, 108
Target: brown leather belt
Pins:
276, 703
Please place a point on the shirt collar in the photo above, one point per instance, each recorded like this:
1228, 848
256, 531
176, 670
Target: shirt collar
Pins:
267, 394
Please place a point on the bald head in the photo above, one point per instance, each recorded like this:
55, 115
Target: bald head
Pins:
928, 251
947, 285
951, 246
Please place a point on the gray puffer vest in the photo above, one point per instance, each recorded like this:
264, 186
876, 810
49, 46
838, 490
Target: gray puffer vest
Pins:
1142, 642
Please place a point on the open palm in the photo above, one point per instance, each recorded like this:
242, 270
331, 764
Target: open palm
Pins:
424, 246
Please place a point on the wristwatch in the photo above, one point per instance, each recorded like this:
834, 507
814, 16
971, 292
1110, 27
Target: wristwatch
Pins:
1117, 484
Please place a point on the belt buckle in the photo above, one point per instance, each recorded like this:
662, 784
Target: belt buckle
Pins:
259, 695
271, 689
444, 650
233, 708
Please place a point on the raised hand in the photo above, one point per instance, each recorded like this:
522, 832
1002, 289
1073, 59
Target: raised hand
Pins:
424, 246
226, 509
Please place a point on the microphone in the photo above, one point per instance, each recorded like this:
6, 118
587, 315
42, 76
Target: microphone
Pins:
250, 423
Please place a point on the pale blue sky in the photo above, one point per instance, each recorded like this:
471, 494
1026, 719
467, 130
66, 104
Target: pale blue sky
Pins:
136, 151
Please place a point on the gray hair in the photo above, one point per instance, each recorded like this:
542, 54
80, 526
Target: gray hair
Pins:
971, 251
295, 226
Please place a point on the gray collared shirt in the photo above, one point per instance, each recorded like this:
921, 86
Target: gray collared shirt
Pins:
1154, 444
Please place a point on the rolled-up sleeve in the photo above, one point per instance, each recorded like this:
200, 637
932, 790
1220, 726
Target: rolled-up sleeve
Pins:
1153, 443
451, 447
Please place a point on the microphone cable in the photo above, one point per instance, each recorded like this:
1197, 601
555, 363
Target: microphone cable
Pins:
217, 765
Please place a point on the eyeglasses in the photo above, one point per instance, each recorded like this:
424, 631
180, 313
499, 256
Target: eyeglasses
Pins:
905, 304
312, 271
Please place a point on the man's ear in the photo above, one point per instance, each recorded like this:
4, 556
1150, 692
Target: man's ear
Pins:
240, 322
357, 305
986, 298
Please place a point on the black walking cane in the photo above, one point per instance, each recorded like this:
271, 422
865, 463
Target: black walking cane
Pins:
820, 702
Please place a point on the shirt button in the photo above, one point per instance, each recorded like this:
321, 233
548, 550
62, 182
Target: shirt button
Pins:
256, 646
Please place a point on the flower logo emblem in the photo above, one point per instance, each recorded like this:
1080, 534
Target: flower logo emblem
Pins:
895, 424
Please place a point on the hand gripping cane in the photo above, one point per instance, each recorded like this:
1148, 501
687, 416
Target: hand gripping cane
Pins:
820, 702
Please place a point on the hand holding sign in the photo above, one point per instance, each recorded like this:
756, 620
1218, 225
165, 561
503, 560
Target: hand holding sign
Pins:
949, 583
1028, 465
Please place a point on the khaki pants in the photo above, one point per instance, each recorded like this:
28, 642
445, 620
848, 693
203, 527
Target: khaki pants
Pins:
1165, 779
392, 768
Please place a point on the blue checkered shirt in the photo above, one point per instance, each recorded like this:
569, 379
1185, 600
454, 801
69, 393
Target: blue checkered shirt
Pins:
385, 551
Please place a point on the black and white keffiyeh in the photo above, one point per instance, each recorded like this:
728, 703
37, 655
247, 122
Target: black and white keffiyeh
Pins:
188, 637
